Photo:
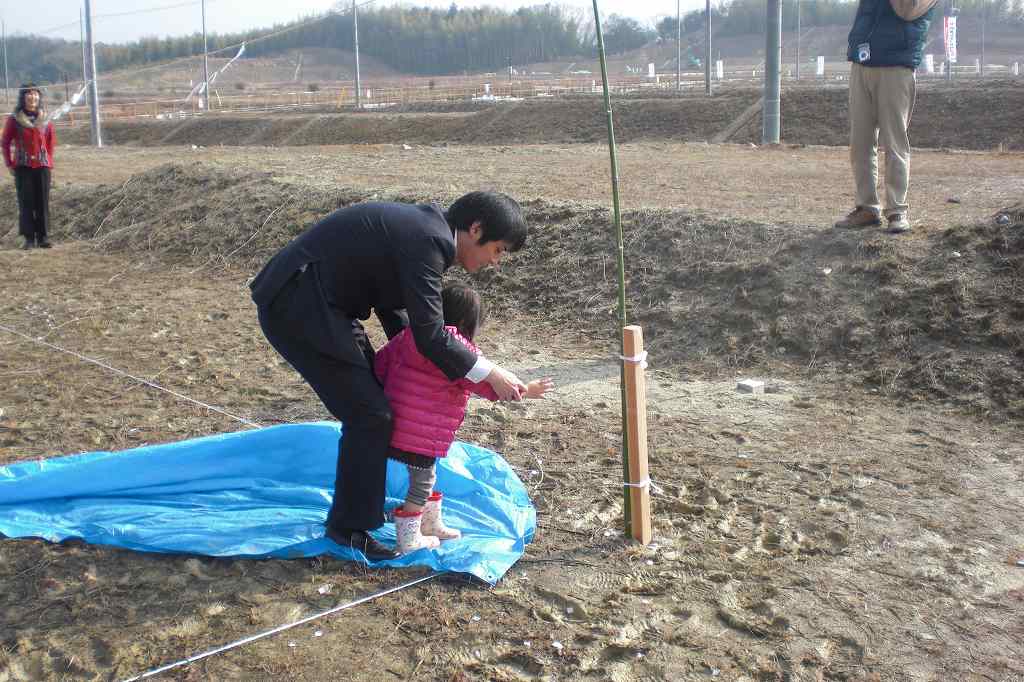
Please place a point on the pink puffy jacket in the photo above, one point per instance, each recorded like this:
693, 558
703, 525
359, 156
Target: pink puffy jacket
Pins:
428, 407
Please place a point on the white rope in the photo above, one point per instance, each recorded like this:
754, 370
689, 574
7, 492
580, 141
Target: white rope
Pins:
145, 382
636, 359
645, 483
282, 628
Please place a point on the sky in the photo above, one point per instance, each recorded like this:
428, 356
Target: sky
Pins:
179, 17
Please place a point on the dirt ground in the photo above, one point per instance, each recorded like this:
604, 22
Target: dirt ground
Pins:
964, 115
860, 521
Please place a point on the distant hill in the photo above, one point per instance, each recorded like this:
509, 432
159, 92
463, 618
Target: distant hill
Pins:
397, 42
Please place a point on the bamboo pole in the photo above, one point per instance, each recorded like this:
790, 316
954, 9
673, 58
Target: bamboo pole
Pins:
621, 260
636, 432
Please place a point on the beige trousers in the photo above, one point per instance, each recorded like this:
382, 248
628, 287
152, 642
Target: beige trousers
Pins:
881, 102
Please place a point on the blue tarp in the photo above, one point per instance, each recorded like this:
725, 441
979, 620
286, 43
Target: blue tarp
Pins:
259, 493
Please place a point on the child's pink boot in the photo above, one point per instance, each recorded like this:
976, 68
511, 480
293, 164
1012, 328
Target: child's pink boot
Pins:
432, 523
407, 528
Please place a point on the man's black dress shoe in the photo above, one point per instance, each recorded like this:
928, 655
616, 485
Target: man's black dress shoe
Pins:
363, 541
45, 245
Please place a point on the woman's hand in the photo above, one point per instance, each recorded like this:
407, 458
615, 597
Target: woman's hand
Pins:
506, 384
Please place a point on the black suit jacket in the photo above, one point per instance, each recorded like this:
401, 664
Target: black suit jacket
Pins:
385, 257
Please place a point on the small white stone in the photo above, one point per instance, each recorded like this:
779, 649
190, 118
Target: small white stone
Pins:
318, 633
557, 645
475, 619
752, 386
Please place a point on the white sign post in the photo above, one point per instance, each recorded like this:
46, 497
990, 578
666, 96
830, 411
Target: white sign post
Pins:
720, 69
650, 70
820, 70
929, 63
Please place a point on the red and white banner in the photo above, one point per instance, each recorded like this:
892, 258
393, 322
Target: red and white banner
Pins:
949, 35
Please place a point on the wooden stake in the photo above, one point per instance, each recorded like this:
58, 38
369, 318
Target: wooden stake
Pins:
636, 433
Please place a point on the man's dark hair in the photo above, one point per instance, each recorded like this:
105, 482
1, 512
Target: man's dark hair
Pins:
463, 309
500, 217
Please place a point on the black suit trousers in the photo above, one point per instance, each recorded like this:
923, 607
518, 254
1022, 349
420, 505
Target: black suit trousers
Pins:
350, 392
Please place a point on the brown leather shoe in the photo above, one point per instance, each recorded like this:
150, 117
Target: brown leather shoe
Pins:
858, 218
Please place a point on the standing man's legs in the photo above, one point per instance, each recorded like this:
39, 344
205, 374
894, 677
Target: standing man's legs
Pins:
897, 89
864, 134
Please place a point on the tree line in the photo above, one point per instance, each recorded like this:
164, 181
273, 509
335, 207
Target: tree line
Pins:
428, 41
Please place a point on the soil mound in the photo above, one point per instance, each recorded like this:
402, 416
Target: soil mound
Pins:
966, 116
935, 316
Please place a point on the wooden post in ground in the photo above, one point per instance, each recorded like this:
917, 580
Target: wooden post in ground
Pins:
636, 433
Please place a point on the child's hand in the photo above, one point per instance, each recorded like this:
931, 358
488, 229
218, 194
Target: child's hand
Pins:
537, 388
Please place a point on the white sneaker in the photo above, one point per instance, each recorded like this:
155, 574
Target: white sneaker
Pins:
898, 224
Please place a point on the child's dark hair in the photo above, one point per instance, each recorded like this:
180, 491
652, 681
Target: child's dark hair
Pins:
463, 309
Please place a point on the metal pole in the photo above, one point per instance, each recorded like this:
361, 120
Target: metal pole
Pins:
945, 38
355, 32
206, 62
798, 12
90, 63
7, 91
772, 73
707, 48
679, 47
81, 33
984, 20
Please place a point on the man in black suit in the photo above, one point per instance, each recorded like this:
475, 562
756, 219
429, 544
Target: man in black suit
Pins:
390, 258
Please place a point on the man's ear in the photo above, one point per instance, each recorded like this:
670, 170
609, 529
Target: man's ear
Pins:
476, 230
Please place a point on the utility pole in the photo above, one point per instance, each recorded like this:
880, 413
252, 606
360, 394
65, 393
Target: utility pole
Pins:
772, 74
679, 47
81, 33
206, 62
798, 39
90, 63
7, 86
984, 20
355, 31
949, 15
707, 48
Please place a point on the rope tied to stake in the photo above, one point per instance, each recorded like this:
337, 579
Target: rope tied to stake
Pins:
640, 359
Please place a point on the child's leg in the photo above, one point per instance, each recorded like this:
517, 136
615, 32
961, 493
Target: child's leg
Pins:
408, 519
421, 485
432, 523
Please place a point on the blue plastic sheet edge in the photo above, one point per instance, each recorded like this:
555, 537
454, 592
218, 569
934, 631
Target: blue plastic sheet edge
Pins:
257, 493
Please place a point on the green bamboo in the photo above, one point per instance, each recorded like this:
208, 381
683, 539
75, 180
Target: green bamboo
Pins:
622, 267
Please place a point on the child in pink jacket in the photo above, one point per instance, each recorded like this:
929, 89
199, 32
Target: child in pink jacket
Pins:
428, 409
